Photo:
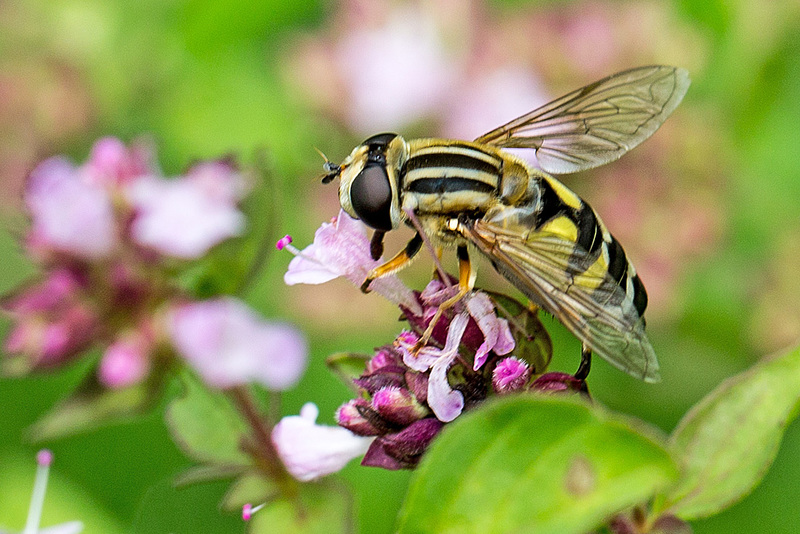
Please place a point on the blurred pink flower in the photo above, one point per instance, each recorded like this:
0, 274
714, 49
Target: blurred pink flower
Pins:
69, 214
187, 216
112, 164
397, 71
229, 345
310, 451
341, 248
126, 361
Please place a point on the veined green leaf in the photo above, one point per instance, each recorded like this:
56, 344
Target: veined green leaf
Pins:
727, 442
534, 464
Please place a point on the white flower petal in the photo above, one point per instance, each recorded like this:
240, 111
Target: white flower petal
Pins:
310, 451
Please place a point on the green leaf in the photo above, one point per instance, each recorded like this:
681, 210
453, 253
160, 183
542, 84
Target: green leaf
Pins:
532, 340
728, 440
324, 509
534, 464
93, 405
206, 426
252, 487
348, 366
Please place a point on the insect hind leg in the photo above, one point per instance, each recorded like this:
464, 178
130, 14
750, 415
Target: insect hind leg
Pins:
466, 282
586, 363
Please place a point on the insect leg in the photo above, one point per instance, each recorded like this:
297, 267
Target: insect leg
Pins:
466, 281
400, 261
376, 244
586, 363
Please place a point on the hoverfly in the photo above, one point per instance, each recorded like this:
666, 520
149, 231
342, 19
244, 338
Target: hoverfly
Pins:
537, 233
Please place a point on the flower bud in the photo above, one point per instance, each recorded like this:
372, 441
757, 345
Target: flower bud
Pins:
559, 382
355, 415
404, 449
398, 405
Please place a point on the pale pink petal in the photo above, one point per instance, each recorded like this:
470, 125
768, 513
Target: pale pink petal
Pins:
310, 451
445, 402
180, 217
69, 214
497, 336
341, 248
229, 345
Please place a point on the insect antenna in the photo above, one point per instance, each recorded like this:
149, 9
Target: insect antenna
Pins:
332, 170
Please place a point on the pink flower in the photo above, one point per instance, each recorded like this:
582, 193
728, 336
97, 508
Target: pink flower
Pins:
187, 216
229, 345
310, 451
341, 248
69, 214
397, 71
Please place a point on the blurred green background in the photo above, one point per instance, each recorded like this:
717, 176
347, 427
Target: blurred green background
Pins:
707, 209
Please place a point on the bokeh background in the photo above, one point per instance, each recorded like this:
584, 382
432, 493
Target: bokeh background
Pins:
708, 209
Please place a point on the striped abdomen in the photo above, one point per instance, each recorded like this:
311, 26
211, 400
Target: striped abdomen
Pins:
562, 212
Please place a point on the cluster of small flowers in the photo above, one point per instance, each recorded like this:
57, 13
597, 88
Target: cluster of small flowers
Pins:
410, 389
110, 236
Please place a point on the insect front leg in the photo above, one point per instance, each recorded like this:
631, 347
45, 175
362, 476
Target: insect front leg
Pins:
399, 262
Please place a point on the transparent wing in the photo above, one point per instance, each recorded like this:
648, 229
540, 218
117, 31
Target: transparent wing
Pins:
598, 123
588, 302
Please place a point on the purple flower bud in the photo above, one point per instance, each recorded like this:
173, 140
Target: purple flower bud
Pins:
557, 382
510, 374
382, 358
53, 292
418, 385
405, 448
353, 415
388, 376
398, 405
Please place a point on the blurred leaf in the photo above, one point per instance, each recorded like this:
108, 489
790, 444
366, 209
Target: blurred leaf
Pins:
92, 405
533, 343
207, 473
326, 509
729, 439
250, 488
230, 267
534, 464
206, 426
347, 366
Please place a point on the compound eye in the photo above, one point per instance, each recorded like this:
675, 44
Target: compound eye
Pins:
371, 196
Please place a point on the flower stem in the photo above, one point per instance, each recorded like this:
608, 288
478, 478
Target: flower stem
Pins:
265, 452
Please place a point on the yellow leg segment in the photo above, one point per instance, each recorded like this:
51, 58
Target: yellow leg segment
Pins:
397, 263
466, 282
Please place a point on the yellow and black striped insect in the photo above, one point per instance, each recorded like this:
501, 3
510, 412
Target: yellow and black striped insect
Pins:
537, 233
